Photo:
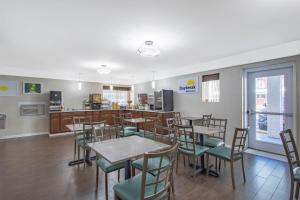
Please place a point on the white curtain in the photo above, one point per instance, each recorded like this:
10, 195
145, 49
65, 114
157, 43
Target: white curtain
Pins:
116, 96
211, 91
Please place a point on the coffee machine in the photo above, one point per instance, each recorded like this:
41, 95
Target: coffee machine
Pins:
95, 101
55, 101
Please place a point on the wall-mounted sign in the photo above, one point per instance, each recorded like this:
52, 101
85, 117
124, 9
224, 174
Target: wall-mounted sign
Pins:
188, 85
8, 88
32, 88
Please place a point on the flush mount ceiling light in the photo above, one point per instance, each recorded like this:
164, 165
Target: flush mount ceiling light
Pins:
148, 50
103, 70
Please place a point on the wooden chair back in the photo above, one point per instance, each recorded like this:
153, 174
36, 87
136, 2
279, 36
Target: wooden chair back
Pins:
290, 149
150, 123
186, 138
170, 122
239, 141
222, 125
160, 185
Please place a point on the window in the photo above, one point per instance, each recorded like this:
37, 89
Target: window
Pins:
119, 95
211, 88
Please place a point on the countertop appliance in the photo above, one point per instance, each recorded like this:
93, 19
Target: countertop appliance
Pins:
55, 101
95, 101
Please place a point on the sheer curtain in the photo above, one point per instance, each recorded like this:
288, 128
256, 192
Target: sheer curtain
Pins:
116, 96
211, 91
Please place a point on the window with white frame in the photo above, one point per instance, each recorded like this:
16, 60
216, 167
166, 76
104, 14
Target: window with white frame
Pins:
119, 95
211, 88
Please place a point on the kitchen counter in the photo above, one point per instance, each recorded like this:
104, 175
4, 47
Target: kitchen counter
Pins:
59, 119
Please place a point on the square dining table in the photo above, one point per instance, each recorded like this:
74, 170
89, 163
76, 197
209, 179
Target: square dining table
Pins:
136, 121
126, 149
203, 132
191, 119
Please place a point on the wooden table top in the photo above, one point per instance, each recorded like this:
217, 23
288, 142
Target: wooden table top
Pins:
204, 130
125, 148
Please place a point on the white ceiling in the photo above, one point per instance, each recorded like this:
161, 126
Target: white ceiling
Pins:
62, 38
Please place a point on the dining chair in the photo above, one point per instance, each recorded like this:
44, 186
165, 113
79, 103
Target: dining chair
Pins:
188, 146
106, 133
146, 186
217, 139
206, 119
78, 134
148, 127
235, 153
292, 155
127, 129
177, 118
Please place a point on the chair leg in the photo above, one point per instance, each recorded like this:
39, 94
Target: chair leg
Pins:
183, 156
216, 164
220, 161
118, 176
232, 174
75, 149
97, 177
243, 168
194, 166
172, 184
132, 171
106, 186
292, 189
297, 191
78, 152
177, 160
207, 164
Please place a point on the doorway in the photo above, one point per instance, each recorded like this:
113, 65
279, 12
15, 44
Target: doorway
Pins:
269, 107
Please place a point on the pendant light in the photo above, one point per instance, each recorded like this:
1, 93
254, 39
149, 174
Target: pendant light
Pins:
153, 80
111, 87
79, 84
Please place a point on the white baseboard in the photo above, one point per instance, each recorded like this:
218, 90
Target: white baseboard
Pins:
22, 135
60, 134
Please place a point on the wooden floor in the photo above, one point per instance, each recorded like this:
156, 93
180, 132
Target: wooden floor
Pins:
35, 168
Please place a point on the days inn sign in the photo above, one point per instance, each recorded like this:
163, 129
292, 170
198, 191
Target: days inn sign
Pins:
188, 85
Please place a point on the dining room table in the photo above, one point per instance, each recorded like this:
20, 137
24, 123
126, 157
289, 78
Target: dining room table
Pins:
126, 149
86, 126
191, 119
136, 121
203, 132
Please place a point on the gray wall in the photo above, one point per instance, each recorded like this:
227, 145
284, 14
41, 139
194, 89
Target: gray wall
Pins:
19, 125
231, 94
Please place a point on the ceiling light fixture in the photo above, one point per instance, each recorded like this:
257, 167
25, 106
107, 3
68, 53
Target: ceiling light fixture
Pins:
103, 70
148, 50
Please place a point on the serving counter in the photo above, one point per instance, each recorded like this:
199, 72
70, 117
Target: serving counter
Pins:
59, 119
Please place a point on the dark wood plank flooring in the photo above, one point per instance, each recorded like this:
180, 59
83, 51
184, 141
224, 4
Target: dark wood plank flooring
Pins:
35, 168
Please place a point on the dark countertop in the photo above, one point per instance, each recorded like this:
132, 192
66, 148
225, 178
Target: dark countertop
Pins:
82, 110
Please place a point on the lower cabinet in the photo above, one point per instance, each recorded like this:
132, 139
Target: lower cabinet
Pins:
55, 123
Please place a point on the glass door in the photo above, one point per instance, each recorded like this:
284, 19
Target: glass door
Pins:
269, 94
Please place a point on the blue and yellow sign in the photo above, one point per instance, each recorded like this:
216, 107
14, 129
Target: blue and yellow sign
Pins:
188, 85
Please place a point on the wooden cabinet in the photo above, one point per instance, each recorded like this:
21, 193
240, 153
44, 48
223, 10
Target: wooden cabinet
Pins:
66, 119
55, 123
59, 120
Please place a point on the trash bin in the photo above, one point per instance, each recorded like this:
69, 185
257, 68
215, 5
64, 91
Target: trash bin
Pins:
2, 121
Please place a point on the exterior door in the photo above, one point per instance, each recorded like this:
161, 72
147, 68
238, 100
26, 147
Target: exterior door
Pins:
269, 97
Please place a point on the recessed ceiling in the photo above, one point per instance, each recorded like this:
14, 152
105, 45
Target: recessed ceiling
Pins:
60, 39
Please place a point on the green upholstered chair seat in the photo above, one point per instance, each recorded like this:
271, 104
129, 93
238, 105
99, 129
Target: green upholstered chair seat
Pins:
147, 134
296, 172
198, 149
153, 164
222, 152
213, 142
131, 188
107, 167
130, 128
182, 139
127, 133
